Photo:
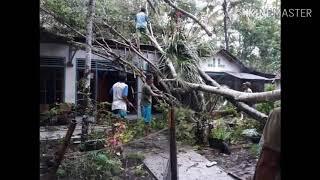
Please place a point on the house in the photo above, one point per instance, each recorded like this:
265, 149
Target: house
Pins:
228, 70
62, 66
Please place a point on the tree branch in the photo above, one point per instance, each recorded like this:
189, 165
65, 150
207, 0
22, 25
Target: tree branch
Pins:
230, 93
258, 97
257, 115
190, 16
167, 60
206, 77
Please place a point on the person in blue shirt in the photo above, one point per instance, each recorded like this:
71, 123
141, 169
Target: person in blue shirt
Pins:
142, 21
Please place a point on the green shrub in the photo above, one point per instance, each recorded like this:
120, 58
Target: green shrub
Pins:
266, 107
61, 172
96, 135
254, 150
237, 134
222, 133
158, 123
96, 165
139, 171
135, 156
185, 128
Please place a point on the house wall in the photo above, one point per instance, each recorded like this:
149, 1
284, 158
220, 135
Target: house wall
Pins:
218, 63
62, 50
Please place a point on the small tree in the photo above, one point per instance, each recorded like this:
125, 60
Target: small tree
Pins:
87, 71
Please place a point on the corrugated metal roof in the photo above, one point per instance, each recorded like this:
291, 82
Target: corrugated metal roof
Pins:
247, 76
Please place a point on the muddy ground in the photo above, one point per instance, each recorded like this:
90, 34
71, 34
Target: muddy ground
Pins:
241, 162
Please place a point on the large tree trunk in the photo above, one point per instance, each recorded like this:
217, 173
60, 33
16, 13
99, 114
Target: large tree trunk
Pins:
233, 94
258, 97
224, 5
240, 105
87, 71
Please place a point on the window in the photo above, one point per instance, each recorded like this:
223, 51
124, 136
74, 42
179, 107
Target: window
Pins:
219, 63
51, 80
51, 85
212, 64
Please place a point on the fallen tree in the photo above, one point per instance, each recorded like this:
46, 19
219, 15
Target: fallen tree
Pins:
171, 85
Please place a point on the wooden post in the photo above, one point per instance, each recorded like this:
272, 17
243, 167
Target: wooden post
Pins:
173, 146
63, 148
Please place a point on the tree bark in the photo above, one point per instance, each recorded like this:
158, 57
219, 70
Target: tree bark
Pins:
226, 38
190, 16
206, 77
87, 71
258, 97
167, 61
152, 6
240, 105
255, 114
229, 93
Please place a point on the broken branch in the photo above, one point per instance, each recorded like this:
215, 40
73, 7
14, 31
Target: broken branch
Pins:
190, 16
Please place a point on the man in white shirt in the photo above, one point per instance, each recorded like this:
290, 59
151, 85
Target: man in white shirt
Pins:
120, 96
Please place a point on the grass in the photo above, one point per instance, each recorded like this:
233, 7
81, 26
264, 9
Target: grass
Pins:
254, 150
135, 156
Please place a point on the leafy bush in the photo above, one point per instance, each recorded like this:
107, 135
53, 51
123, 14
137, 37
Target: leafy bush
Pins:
254, 150
266, 107
184, 126
127, 136
135, 156
96, 165
138, 128
139, 171
246, 123
59, 113
237, 134
222, 133
158, 123
104, 116
96, 135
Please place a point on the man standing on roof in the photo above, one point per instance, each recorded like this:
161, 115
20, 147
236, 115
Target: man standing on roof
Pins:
142, 21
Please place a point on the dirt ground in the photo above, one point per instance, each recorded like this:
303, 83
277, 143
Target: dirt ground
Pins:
240, 162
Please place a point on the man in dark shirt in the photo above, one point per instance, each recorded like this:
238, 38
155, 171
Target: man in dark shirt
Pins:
148, 90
